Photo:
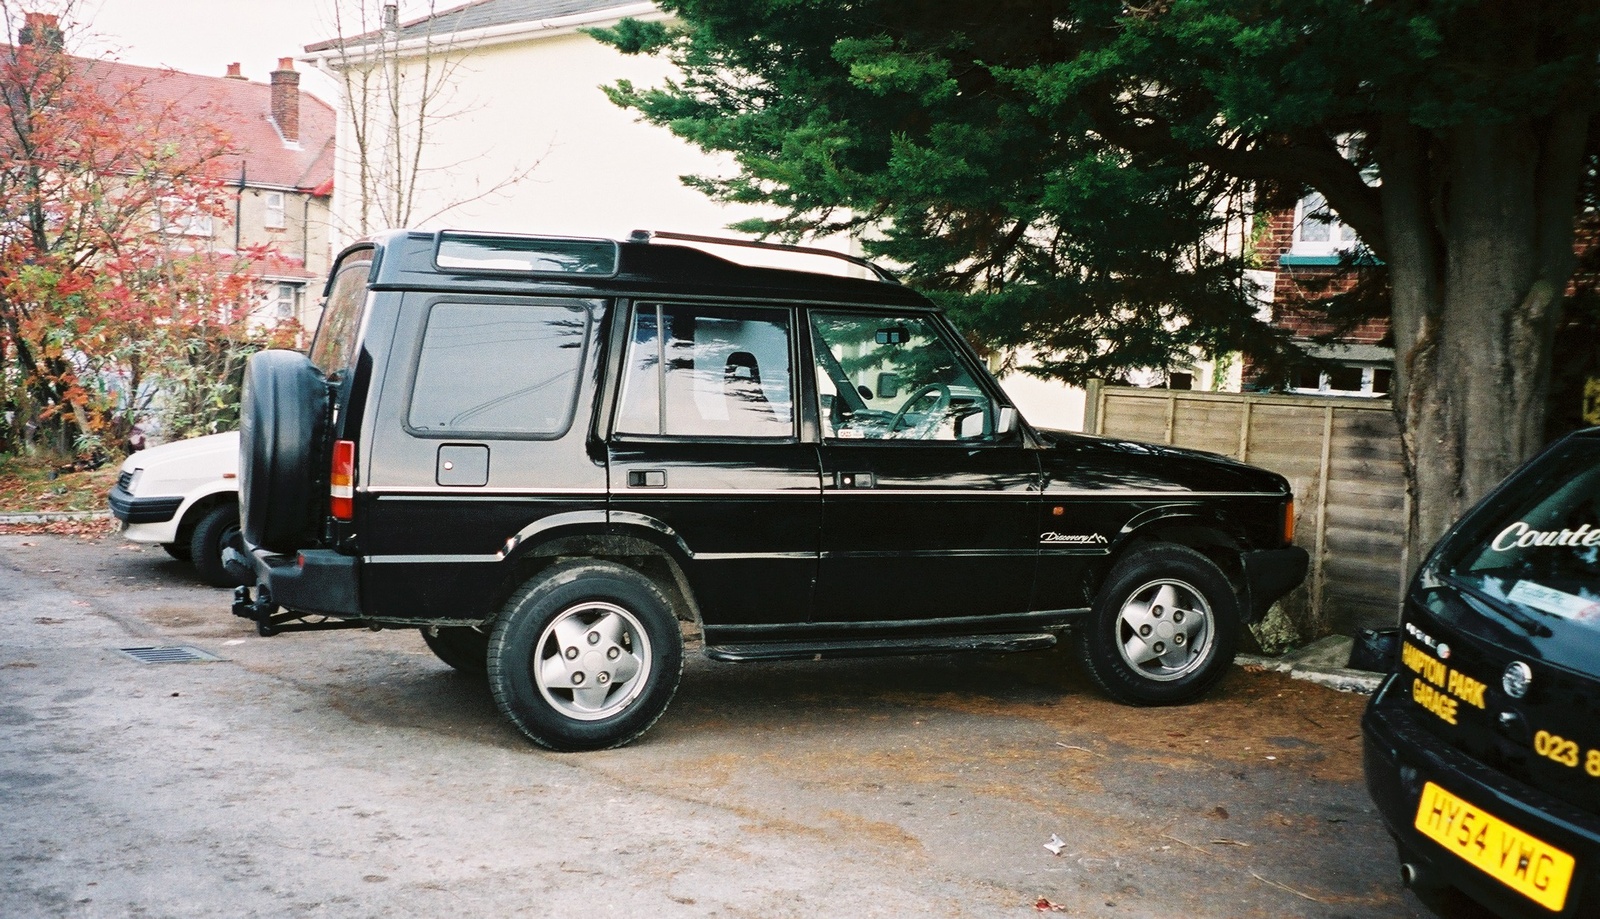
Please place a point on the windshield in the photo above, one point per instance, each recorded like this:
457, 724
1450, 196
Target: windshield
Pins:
1538, 544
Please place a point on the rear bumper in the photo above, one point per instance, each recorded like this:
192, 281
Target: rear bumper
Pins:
1400, 757
319, 581
1269, 574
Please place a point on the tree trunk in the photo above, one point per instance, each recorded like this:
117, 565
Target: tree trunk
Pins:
1479, 220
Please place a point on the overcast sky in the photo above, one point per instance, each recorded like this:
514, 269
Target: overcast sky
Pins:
205, 36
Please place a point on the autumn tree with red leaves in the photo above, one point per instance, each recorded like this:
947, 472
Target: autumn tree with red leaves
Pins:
112, 306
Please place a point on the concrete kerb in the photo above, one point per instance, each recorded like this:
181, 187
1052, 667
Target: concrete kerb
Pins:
52, 516
1321, 662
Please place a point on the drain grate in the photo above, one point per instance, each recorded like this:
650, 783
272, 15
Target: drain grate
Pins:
169, 655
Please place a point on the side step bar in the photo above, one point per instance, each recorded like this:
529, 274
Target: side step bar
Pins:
878, 647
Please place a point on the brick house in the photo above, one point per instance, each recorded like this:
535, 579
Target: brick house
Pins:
280, 174
1305, 248
278, 168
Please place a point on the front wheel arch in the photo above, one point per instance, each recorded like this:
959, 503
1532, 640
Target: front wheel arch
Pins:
1164, 626
1205, 537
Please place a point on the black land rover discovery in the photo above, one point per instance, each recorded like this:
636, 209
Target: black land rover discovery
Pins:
548, 453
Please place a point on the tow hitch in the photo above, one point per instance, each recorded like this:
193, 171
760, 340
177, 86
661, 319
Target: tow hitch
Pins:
269, 622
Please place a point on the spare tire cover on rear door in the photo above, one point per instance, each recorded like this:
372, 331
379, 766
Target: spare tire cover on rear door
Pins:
281, 467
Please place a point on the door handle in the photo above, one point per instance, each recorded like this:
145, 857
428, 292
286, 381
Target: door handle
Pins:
647, 478
854, 480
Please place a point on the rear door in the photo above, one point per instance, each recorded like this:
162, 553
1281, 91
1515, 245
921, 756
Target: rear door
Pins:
927, 512
705, 450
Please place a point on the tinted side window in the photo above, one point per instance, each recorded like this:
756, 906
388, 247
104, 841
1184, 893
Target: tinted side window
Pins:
334, 347
707, 372
500, 368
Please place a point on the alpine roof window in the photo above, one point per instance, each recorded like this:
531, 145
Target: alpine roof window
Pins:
531, 254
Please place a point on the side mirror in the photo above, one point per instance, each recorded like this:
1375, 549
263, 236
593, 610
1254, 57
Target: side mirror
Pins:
1006, 421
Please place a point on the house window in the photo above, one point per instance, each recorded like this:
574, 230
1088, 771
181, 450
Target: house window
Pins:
180, 218
273, 203
1317, 229
1347, 380
284, 302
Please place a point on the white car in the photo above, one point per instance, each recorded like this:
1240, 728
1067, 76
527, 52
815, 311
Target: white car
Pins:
184, 496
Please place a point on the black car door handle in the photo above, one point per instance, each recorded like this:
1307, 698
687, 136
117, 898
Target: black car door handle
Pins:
647, 478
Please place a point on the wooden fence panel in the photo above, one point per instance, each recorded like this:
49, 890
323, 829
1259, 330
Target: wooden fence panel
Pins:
1342, 458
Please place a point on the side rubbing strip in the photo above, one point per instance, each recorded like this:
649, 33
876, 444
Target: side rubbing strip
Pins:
429, 559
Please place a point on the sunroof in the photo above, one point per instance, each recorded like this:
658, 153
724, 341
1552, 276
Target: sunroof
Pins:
532, 254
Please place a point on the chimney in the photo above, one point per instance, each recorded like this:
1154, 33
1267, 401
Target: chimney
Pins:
42, 29
286, 100
233, 72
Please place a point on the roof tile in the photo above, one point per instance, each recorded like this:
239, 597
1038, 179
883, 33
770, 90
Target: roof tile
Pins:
244, 109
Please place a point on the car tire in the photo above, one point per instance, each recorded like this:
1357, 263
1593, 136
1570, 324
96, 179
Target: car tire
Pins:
464, 648
585, 656
1163, 629
215, 532
281, 422
179, 551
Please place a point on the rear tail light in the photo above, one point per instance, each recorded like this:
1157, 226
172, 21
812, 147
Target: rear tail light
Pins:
342, 481
1288, 522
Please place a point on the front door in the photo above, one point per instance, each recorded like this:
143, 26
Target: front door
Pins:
928, 512
705, 450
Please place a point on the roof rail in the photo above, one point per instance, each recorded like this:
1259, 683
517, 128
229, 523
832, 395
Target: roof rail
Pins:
882, 274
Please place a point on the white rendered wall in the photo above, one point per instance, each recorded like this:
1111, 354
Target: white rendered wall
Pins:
599, 173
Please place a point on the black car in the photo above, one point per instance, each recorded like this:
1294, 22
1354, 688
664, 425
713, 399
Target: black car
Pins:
1483, 746
548, 453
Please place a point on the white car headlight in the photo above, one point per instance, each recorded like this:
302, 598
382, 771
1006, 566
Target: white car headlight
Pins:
133, 483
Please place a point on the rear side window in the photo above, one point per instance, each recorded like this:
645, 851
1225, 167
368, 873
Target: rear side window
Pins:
508, 369
707, 372
1538, 545
333, 349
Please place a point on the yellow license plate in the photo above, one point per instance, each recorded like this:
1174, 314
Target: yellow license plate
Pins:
1526, 864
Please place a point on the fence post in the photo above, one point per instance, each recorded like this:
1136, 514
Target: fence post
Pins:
1244, 429
1320, 556
1091, 405
1172, 413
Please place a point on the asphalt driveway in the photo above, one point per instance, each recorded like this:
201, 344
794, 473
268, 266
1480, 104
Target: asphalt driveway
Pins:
352, 774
